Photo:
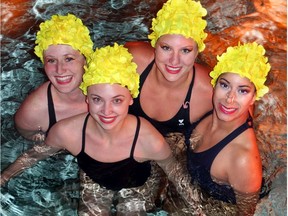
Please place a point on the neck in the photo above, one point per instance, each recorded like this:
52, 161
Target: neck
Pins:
75, 96
218, 124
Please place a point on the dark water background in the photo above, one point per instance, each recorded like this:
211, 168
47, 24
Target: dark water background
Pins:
51, 187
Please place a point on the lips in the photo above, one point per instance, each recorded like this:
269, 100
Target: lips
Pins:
63, 79
227, 110
173, 70
107, 120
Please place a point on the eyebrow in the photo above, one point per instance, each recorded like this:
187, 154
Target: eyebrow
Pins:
112, 97
247, 86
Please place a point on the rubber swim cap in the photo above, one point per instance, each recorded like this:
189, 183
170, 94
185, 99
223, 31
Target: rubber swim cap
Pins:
182, 17
248, 61
67, 30
111, 64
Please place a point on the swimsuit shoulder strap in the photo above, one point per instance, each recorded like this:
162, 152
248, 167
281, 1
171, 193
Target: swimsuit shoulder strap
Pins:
51, 109
188, 96
145, 73
135, 137
84, 132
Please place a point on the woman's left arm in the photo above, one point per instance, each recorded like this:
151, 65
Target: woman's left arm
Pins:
245, 176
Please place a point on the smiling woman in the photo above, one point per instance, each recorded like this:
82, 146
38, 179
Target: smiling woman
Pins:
63, 56
224, 158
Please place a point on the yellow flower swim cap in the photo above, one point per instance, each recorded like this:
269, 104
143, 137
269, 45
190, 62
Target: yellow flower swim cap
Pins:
67, 30
111, 65
248, 61
182, 17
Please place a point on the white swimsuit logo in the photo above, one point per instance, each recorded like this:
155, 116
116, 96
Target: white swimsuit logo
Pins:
181, 122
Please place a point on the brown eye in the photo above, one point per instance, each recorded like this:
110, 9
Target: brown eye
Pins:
51, 60
186, 51
244, 91
68, 59
165, 48
117, 100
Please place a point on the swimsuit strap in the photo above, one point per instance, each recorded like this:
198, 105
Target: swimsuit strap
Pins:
51, 110
220, 145
135, 137
145, 73
188, 96
84, 132
134, 141
247, 124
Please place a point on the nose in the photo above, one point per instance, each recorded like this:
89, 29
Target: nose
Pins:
230, 97
175, 58
107, 109
60, 68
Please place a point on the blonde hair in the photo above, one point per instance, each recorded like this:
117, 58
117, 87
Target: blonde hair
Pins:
182, 17
248, 61
111, 64
67, 30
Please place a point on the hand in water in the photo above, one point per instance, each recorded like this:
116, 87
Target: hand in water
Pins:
39, 136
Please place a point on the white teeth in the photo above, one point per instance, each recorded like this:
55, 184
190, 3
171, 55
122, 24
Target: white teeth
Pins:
65, 78
174, 69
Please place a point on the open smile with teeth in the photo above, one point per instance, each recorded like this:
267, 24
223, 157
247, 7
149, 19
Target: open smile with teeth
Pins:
107, 120
63, 79
173, 69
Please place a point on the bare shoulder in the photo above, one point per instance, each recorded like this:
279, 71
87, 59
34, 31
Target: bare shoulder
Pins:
202, 75
148, 128
67, 133
142, 52
36, 97
34, 106
202, 90
69, 124
245, 167
152, 142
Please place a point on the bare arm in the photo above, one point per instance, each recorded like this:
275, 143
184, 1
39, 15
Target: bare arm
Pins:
179, 176
27, 160
245, 174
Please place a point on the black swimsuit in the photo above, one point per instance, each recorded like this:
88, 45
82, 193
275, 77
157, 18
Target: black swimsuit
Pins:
179, 122
126, 173
51, 109
199, 165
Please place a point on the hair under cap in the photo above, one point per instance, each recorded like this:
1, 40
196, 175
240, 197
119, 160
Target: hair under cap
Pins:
67, 30
182, 17
111, 64
248, 61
